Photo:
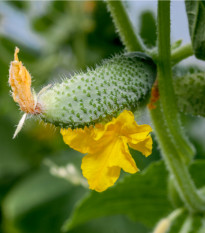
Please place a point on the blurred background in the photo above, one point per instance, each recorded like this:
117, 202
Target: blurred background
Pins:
40, 177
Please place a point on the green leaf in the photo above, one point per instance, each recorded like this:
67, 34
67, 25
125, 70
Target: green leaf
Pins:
111, 224
196, 17
195, 223
40, 203
176, 44
177, 223
148, 29
33, 203
142, 196
192, 224
197, 172
187, 223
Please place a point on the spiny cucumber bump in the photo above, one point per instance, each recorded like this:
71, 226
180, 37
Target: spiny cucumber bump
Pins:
122, 82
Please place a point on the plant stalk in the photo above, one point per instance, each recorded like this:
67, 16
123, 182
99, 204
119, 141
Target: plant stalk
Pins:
175, 147
124, 26
178, 170
166, 89
181, 53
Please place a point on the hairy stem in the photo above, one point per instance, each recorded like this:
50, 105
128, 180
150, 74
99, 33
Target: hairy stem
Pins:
179, 171
181, 53
124, 26
166, 89
174, 145
177, 55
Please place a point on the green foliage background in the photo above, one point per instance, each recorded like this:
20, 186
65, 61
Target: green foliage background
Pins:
72, 35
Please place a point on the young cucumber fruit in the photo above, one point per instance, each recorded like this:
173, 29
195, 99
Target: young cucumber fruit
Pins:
190, 90
122, 82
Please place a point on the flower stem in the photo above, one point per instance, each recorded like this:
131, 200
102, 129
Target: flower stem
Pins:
166, 90
181, 53
124, 26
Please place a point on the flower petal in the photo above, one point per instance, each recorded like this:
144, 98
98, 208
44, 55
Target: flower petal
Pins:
131, 130
98, 174
107, 148
145, 146
126, 125
121, 156
79, 139
141, 134
20, 82
103, 168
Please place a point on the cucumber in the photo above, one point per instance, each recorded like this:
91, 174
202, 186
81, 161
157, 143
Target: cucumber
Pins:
122, 82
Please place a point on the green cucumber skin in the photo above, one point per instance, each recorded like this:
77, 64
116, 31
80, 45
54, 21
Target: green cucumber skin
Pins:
122, 82
190, 92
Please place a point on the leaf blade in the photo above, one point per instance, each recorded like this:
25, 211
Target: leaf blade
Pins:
131, 196
196, 16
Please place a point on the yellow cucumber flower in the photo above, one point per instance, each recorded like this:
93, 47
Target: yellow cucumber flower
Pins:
107, 150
